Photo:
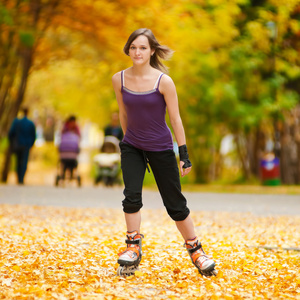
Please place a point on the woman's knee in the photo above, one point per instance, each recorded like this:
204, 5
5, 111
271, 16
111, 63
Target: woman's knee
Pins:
132, 202
178, 215
131, 208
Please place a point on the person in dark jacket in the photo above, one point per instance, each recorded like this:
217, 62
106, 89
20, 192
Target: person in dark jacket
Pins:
114, 127
22, 137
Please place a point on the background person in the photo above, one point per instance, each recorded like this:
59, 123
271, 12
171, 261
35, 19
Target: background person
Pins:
114, 127
69, 146
22, 135
71, 126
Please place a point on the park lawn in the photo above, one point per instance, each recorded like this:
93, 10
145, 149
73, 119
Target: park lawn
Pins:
71, 253
237, 188
244, 189
43, 167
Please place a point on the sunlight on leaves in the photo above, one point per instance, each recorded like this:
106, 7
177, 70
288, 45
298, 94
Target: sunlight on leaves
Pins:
68, 253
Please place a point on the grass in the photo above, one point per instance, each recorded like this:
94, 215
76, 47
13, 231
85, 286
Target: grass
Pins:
243, 189
43, 164
237, 189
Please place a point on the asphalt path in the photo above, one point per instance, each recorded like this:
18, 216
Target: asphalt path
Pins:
102, 197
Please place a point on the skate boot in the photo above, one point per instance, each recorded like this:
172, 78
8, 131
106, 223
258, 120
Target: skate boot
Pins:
130, 259
203, 263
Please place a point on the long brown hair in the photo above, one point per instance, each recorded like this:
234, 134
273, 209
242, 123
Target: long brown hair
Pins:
161, 51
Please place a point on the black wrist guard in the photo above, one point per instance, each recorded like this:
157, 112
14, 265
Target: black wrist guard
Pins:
184, 156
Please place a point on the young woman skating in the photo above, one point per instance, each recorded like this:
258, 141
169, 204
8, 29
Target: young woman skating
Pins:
144, 93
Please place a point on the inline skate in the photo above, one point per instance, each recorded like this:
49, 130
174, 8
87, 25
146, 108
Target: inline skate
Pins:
204, 264
130, 259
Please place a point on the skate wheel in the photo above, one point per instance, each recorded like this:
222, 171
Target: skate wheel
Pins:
214, 272
126, 270
120, 271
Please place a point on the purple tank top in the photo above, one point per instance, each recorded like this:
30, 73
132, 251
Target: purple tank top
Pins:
146, 124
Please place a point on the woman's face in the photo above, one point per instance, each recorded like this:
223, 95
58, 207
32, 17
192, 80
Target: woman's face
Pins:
140, 51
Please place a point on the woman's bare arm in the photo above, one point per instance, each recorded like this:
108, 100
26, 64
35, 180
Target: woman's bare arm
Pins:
168, 89
116, 81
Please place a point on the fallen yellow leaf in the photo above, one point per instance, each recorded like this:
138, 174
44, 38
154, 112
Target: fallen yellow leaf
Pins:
138, 273
16, 268
278, 266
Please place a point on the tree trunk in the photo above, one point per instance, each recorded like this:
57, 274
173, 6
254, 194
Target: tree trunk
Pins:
6, 88
255, 148
27, 62
6, 165
251, 150
288, 159
259, 148
243, 157
297, 181
296, 135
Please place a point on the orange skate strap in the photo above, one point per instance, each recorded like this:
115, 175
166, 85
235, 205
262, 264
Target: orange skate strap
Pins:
134, 249
196, 256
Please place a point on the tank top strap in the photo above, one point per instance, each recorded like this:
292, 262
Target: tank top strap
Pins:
156, 86
122, 79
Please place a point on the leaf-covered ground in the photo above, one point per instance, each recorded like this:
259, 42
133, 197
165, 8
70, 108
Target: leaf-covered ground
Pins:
63, 253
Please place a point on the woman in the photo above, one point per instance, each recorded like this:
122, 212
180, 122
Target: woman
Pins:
143, 93
69, 149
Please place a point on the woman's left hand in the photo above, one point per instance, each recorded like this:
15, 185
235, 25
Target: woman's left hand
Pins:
184, 171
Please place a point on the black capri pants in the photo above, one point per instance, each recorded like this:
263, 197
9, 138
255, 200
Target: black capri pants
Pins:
165, 169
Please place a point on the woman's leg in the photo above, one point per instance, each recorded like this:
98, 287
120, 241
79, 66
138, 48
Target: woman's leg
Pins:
133, 169
186, 228
165, 169
133, 221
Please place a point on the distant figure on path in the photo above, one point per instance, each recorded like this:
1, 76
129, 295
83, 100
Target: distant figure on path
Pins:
114, 127
22, 136
69, 149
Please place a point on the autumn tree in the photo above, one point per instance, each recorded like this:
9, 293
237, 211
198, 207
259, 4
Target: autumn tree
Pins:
264, 62
28, 36
232, 76
230, 83
22, 24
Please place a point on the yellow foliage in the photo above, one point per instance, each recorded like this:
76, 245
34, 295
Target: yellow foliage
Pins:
295, 26
138, 274
260, 36
288, 4
76, 256
16, 268
278, 266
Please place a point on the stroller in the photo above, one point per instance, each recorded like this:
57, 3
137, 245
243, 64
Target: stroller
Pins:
107, 163
68, 152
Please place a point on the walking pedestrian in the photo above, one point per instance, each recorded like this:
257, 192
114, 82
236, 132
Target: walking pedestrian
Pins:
22, 137
144, 91
114, 127
69, 148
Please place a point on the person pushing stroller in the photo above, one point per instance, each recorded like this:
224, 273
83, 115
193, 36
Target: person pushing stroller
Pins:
69, 149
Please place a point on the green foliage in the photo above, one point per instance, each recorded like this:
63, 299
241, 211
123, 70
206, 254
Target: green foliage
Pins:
3, 147
5, 16
27, 38
231, 72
